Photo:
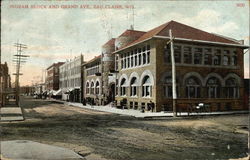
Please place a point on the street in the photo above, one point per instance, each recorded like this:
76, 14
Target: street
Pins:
111, 136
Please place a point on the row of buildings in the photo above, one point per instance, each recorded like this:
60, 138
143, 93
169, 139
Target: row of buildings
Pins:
134, 70
5, 83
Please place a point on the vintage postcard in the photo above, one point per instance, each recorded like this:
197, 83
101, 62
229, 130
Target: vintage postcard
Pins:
124, 80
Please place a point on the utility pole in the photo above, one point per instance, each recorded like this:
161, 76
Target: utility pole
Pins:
173, 74
18, 59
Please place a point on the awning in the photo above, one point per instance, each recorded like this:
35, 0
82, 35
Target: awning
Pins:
57, 93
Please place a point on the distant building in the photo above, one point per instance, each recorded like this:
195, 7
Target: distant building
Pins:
27, 90
5, 83
52, 78
70, 79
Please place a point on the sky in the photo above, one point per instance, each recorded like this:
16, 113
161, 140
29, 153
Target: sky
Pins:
59, 32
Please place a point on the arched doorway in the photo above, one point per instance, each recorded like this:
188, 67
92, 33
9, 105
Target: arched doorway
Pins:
111, 97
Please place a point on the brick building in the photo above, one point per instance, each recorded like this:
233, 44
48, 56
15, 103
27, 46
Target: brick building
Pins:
52, 77
209, 69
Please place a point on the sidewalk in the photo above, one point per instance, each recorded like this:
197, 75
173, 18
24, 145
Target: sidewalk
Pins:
24, 149
138, 114
11, 112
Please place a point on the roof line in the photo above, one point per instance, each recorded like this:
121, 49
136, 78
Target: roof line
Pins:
132, 45
193, 40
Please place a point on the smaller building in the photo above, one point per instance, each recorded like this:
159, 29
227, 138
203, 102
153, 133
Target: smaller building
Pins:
93, 81
52, 79
5, 83
70, 79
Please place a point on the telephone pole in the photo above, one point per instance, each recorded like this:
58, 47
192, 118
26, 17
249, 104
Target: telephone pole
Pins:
173, 74
19, 58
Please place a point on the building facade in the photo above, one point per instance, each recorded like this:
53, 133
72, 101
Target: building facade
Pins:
92, 81
52, 76
70, 79
209, 69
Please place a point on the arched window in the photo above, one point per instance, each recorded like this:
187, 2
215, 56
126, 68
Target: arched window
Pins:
87, 88
213, 87
167, 87
92, 86
123, 87
133, 86
146, 87
193, 88
97, 88
232, 89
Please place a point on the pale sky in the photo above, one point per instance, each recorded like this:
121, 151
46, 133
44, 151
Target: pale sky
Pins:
58, 34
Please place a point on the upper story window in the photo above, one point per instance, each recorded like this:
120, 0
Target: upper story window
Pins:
137, 57
207, 56
177, 54
167, 54
187, 55
197, 55
225, 60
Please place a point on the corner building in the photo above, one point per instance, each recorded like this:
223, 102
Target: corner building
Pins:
209, 69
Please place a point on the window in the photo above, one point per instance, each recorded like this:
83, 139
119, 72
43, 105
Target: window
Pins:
167, 87
232, 89
123, 87
135, 60
234, 60
213, 87
187, 55
128, 60
177, 54
148, 57
216, 60
92, 88
144, 58
208, 56
225, 60
146, 87
167, 54
97, 87
193, 88
87, 88
116, 87
197, 55
139, 63
132, 61
133, 86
